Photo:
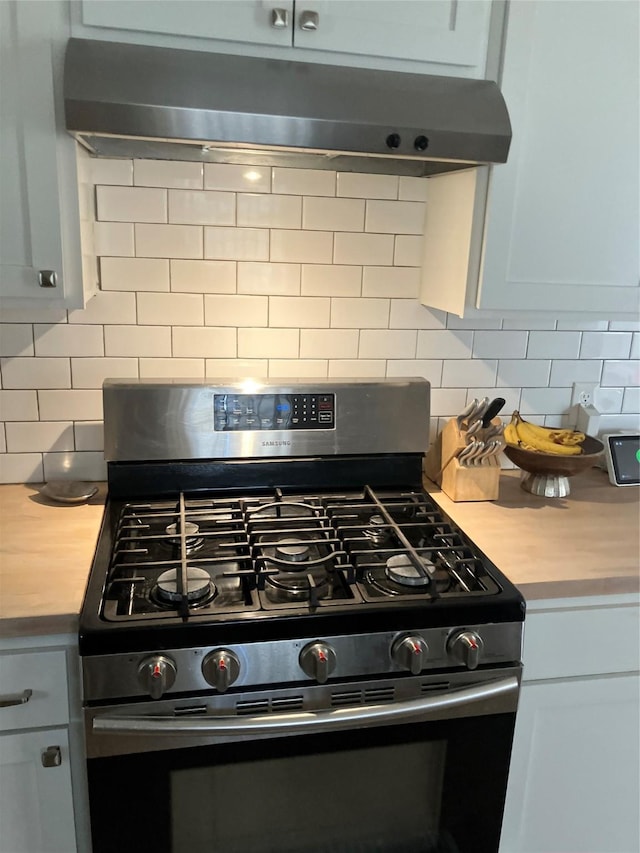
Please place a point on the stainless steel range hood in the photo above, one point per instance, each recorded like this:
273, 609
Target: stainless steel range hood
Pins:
127, 100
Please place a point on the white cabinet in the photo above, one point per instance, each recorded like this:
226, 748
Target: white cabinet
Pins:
40, 225
561, 224
36, 801
574, 780
450, 36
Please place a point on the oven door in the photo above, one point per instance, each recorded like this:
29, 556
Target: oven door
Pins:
424, 775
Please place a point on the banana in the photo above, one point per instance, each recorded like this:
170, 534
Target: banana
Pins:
542, 439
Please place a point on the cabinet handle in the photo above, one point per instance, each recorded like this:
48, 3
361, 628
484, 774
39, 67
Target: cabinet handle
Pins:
280, 18
11, 699
309, 21
51, 756
48, 278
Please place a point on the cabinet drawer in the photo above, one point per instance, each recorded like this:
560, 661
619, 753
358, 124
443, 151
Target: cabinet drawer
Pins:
45, 675
581, 642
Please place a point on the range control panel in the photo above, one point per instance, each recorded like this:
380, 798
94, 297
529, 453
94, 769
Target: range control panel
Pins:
238, 412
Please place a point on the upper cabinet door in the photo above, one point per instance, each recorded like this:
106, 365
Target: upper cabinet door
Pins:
449, 32
562, 230
251, 21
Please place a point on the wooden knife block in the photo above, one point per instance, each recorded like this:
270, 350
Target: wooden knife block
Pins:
459, 482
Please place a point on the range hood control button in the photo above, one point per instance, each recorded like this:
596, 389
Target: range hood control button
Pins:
466, 647
221, 668
156, 675
410, 652
421, 143
393, 140
318, 660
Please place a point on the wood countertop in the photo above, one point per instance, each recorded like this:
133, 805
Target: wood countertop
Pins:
585, 544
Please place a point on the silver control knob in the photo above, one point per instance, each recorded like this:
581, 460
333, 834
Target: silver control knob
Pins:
466, 647
156, 675
318, 660
221, 668
410, 652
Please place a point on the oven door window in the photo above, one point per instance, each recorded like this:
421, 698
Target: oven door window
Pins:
418, 788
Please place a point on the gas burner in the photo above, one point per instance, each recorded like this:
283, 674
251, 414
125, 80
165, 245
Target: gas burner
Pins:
401, 569
200, 588
296, 586
192, 541
378, 532
282, 509
292, 550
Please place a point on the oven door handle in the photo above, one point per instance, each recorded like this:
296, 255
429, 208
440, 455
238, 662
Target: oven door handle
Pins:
503, 691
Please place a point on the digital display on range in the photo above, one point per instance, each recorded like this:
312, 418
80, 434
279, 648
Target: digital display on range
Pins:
238, 412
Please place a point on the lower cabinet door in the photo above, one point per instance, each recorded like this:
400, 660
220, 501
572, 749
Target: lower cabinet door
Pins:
36, 806
575, 768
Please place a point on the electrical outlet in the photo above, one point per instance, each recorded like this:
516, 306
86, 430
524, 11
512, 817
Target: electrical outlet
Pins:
584, 393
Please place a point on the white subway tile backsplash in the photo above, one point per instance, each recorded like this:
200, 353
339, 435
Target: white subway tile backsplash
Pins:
16, 339
105, 170
303, 182
357, 368
566, 372
469, 373
134, 274
447, 402
328, 343
618, 373
395, 217
386, 343
409, 314
168, 309
331, 280
18, 405
236, 310
210, 342
89, 435
223, 176
553, 344
38, 313
304, 247
268, 343
236, 368
114, 238
167, 173
333, 214
605, 345
495, 344
269, 279
168, 241
35, 373
413, 189
68, 340
608, 400
106, 307
203, 276
430, 369
70, 405
73, 465
629, 325
582, 325
3, 440
172, 368
455, 322
441, 343
398, 282
520, 373
527, 324
131, 204
355, 185
544, 401
299, 311
26, 437
299, 368
198, 207
91, 372
360, 249
352, 313
631, 400
21, 468
635, 346
236, 244
259, 210
408, 251
137, 341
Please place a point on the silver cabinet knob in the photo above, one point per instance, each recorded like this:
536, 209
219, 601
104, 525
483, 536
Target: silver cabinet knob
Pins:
156, 675
466, 647
318, 660
48, 278
51, 756
410, 652
280, 19
221, 668
309, 20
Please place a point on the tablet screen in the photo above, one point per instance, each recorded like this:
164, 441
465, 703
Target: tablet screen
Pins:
625, 456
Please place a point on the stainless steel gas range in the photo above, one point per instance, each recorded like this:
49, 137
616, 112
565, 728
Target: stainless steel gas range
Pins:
286, 646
